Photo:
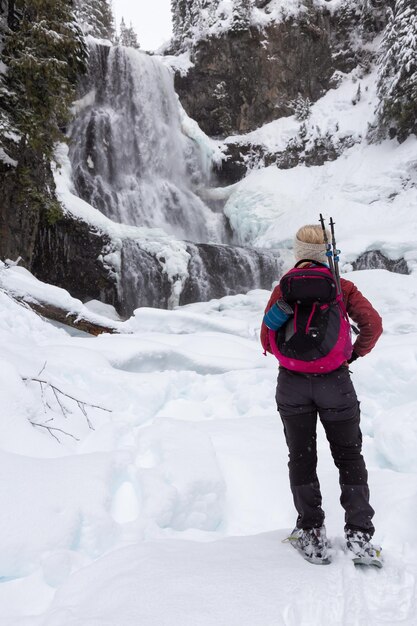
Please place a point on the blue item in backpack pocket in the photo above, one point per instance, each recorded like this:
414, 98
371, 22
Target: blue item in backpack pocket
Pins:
277, 315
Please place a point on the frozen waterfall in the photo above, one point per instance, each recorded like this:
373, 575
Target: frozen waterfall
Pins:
137, 159
130, 158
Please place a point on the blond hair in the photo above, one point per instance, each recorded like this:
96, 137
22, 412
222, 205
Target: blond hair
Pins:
311, 233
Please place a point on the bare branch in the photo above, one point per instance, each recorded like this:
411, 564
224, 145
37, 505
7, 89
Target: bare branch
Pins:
61, 406
51, 430
84, 411
46, 382
45, 385
44, 365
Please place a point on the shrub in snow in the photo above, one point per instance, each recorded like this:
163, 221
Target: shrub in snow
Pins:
302, 108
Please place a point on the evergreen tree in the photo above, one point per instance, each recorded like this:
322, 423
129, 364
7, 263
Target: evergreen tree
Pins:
178, 11
96, 18
242, 11
193, 19
122, 32
302, 108
128, 36
7, 95
397, 78
364, 18
44, 56
42, 52
373, 16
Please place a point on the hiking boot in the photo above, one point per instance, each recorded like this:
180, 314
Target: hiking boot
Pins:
311, 543
358, 542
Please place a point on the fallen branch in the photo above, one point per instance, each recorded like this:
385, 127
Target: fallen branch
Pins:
45, 385
51, 430
61, 315
73, 320
67, 395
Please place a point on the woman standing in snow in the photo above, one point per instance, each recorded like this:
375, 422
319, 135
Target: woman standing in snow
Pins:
301, 395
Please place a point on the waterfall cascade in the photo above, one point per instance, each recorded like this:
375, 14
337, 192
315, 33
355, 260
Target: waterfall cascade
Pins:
130, 158
132, 161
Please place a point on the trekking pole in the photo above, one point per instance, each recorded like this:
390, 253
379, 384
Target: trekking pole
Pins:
335, 256
329, 252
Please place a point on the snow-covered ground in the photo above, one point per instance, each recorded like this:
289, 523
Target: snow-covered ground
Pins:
144, 478
170, 510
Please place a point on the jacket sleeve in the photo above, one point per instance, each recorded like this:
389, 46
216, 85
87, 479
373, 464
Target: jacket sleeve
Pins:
361, 311
276, 295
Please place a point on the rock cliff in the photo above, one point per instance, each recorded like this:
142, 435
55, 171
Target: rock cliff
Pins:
241, 80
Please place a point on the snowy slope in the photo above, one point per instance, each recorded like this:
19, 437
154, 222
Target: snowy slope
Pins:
370, 189
171, 509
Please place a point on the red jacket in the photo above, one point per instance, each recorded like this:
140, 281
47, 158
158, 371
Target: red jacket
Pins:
359, 309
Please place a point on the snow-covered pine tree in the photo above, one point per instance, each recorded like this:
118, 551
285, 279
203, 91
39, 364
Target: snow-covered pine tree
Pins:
178, 11
373, 16
369, 17
44, 56
302, 108
122, 32
127, 36
192, 19
7, 95
397, 77
242, 13
96, 18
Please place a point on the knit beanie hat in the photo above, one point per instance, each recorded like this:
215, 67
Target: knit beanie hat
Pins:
313, 251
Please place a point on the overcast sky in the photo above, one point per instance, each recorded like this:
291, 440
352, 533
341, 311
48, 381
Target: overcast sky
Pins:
150, 18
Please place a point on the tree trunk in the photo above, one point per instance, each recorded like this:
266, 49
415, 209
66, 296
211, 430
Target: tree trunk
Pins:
57, 314
11, 15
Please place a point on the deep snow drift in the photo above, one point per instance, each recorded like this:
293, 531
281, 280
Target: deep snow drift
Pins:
171, 508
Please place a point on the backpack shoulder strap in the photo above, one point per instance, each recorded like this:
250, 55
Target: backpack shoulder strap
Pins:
311, 261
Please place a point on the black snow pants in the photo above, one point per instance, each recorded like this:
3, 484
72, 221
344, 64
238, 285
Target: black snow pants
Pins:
299, 398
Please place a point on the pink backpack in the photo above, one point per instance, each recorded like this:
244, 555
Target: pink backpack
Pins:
317, 338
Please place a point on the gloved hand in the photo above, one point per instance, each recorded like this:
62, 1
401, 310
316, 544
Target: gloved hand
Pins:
353, 357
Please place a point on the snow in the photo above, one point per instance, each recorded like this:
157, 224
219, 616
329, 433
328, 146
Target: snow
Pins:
20, 283
370, 190
5, 158
180, 63
334, 114
210, 149
216, 17
144, 474
173, 509
105, 310
277, 11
